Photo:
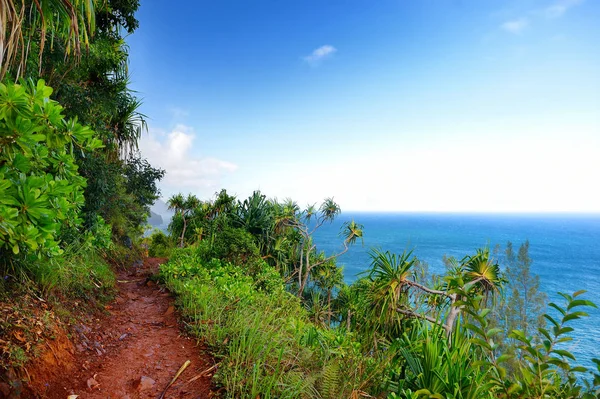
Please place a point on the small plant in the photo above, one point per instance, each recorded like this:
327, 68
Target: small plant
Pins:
17, 357
159, 245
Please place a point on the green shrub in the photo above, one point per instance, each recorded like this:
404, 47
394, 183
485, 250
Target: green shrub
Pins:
159, 245
41, 190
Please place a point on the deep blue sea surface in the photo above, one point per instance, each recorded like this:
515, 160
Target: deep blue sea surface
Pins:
565, 250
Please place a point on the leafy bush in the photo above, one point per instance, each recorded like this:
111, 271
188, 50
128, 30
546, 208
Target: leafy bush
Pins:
233, 245
40, 188
159, 245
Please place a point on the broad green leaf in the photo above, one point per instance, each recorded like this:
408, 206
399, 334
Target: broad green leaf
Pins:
21, 163
580, 302
555, 306
503, 358
549, 318
564, 353
574, 316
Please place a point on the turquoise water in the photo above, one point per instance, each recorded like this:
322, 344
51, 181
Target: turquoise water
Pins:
565, 250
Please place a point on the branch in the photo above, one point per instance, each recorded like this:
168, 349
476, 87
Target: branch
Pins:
346, 247
428, 290
320, 222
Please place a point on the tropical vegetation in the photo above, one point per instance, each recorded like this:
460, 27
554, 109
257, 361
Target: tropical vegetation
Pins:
276, 313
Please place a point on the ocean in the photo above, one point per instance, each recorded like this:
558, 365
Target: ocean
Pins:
565, 249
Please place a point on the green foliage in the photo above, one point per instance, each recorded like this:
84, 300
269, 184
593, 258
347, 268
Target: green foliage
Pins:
141, 182
183, 207
236, 246
40, 188
100, 235
80, 273
436, 367
389, 276
255, 215
159, 245
546, 370
396, 332
261, 334
94, 91
71, 23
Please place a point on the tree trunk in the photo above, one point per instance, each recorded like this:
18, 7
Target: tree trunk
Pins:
452, 316
305, 279
183, 233
300, 271
348, 321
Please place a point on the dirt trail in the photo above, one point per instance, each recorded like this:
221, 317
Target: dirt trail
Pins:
136, 350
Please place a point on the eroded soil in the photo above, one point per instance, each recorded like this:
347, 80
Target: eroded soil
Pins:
132, 352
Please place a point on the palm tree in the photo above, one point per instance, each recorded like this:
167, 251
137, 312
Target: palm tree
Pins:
183, 206
286, 214
476, 274
72, 21
224, 204
126, 125
329, 210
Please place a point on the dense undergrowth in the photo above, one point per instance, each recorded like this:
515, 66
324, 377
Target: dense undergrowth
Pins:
265, 342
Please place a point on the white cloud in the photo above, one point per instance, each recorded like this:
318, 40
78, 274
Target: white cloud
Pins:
560, 7
320, 54
515, 26
185, 171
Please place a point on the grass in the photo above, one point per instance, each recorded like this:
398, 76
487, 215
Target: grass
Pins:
80, 274
266, 344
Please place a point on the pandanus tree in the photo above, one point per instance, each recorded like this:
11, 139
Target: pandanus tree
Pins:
391, 275
255, 216
393, 283
306, 223
223, 205
183, 206
328, 276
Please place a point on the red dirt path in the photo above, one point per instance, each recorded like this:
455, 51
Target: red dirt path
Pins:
139, 338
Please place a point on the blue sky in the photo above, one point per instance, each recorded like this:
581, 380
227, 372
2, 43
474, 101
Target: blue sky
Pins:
384, 105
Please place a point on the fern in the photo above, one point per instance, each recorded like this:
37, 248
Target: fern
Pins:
330, 382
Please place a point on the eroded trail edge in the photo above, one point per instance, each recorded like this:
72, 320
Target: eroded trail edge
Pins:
136, 350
